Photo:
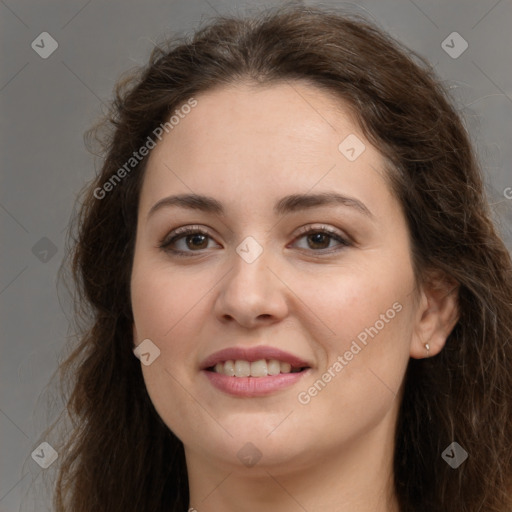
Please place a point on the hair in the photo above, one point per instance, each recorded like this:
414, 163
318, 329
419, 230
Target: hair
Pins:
119, 454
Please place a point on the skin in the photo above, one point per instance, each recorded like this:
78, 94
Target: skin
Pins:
247, 147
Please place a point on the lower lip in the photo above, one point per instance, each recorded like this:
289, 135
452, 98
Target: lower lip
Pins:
253, 386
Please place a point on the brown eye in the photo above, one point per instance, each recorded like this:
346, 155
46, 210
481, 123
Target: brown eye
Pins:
196, 241
319, 239
184, 241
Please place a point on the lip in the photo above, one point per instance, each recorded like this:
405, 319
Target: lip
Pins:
252, 354
246, 387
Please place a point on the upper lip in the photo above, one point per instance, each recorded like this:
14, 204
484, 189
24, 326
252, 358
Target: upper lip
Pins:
253, 354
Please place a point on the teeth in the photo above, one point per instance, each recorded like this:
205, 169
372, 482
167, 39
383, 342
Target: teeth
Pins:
286, 367
242, 369
274, 367
260, 368
229, 368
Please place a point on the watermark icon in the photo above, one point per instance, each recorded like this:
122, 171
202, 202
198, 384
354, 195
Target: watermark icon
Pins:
351, 147
454, 455
508, 192
44, 45
249, 249
249, 455
44, 249
45, 455
454, 45
304, 397
137, 156
147, 352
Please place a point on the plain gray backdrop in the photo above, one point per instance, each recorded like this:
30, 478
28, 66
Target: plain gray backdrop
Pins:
48, 103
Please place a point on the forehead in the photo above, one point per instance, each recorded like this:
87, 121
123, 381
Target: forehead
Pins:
258, 140
256, 113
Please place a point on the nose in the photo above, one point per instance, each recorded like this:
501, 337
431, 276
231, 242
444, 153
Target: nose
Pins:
252, 294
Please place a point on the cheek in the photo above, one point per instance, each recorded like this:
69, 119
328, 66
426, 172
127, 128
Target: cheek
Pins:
365, 365
368, 314
365, 301
166, 307
163, 298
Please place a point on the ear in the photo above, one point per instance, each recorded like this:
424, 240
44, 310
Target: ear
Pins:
438, 312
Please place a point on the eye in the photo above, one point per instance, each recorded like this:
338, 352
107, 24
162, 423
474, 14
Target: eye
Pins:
195, 239
192, 239
319, 239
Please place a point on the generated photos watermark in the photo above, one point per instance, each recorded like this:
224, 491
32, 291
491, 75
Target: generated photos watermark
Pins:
305, 397
137, 156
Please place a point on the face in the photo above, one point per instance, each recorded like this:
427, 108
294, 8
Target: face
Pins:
317, 292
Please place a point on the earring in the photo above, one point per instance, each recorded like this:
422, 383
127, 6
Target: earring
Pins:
427, 346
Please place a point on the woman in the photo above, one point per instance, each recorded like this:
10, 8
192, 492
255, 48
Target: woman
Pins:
299, 301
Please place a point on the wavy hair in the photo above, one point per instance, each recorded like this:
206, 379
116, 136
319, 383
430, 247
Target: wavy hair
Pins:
118, 454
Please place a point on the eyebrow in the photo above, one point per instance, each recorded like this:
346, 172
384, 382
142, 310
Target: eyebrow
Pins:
287, 204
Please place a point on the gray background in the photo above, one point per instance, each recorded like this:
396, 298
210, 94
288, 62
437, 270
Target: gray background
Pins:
47, 104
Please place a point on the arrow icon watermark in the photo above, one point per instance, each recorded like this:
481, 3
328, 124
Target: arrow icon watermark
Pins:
249, 250
351, 147
454, 455
44, 455
147, 352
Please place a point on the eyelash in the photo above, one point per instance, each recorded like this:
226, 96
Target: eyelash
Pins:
193, 230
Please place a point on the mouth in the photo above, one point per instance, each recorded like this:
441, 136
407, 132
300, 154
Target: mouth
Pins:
253, 372
259, 368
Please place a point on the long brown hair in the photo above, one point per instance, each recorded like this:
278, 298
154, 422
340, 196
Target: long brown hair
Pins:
119, 455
